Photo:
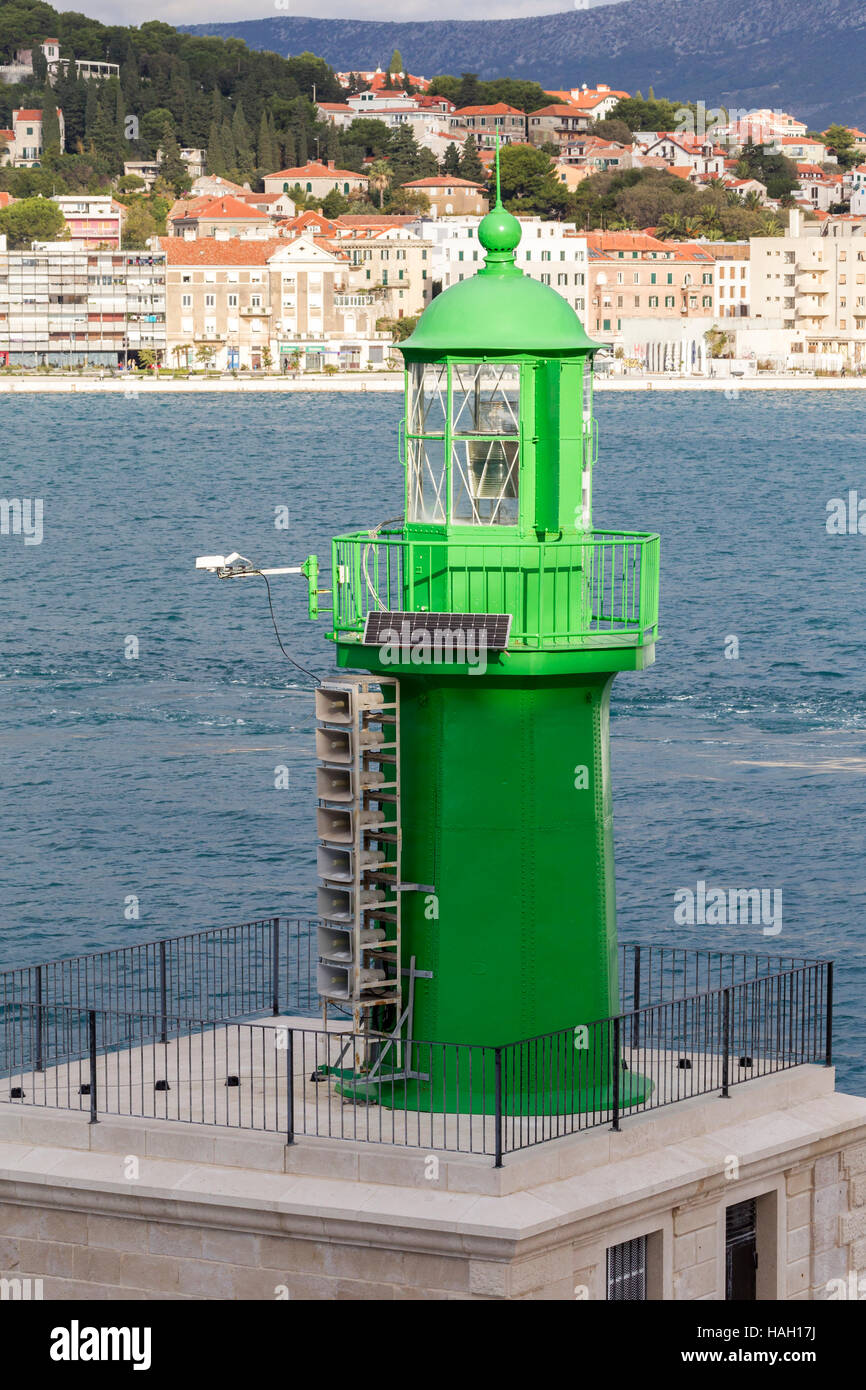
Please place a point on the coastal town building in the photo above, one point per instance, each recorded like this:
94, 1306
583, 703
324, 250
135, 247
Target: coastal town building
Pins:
486, 122
451, 196
94, 219
732, 297
317, 179
285, 303
809, 292
593, 103
64, 305
21, 67
557, 124
227, 216
550, 252
21, 145
378, 81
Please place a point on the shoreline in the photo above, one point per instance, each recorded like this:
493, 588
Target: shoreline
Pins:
393, 381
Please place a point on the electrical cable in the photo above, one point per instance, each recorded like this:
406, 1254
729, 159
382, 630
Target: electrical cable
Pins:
311, 674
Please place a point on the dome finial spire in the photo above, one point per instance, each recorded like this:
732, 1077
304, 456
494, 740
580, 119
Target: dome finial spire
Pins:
498, 181
499, 232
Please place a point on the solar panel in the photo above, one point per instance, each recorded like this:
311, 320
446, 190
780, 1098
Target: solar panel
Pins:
448, 633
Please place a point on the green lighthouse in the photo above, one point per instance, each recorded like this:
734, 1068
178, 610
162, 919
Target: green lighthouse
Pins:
504, 824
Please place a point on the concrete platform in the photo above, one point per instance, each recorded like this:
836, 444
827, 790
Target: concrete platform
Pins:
140, 1208
196, 1069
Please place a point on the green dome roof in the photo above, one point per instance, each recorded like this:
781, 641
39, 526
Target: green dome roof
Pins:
499, 309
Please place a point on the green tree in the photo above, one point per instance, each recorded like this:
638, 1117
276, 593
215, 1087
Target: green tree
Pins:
334, 204
778, 174
470, 166
139, 226
216, 163
396, 63
32, 219
468, 92
244, 157
50, 124
152, 128
265, 152
371, 134
840, 142
617, 131
380, 175
171, 166
452, 159
639, 114
529, 183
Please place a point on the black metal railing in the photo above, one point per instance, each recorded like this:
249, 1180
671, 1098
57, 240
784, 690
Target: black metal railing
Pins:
254, 968
156, 1031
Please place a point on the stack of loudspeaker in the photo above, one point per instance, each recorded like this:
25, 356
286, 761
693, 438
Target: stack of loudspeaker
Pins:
358, 856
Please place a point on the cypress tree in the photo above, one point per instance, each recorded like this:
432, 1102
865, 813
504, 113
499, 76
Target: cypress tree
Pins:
172, 167
216, 163
228, 148
470, 166
452, 159
91, 112
50, 123
244, 157
265, 150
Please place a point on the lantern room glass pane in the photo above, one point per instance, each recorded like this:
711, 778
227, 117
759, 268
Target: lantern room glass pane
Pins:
485, 398
426, 479
428, 398
485, 450
484, 481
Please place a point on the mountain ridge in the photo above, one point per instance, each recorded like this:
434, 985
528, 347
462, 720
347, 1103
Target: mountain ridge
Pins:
752, 53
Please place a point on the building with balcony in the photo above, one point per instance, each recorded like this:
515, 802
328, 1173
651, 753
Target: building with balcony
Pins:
63, 305
244, 303
732, 297
317, 180
450, 196
558, 124
553, 253
21, 67
485, 122
96, 220
810, 291
22, 144
226, 216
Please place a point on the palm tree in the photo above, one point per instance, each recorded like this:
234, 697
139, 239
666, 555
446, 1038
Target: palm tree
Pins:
770, 225
753, 200
380, 176
670, 227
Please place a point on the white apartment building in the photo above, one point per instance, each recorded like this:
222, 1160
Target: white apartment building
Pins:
552, 252
732, 289
63, 304
811, 291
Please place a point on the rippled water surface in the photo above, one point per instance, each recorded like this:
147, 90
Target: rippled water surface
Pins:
154, 777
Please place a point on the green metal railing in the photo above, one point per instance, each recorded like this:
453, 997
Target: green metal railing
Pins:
601, 590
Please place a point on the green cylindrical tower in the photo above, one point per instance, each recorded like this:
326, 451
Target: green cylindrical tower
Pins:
506, 807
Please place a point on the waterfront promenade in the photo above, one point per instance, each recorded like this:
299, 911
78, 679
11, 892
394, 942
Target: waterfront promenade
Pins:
135, 387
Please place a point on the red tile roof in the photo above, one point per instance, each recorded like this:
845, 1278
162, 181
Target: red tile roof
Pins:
234, 251
499, 109
557, 109
314, 170
229, 207
442, 181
